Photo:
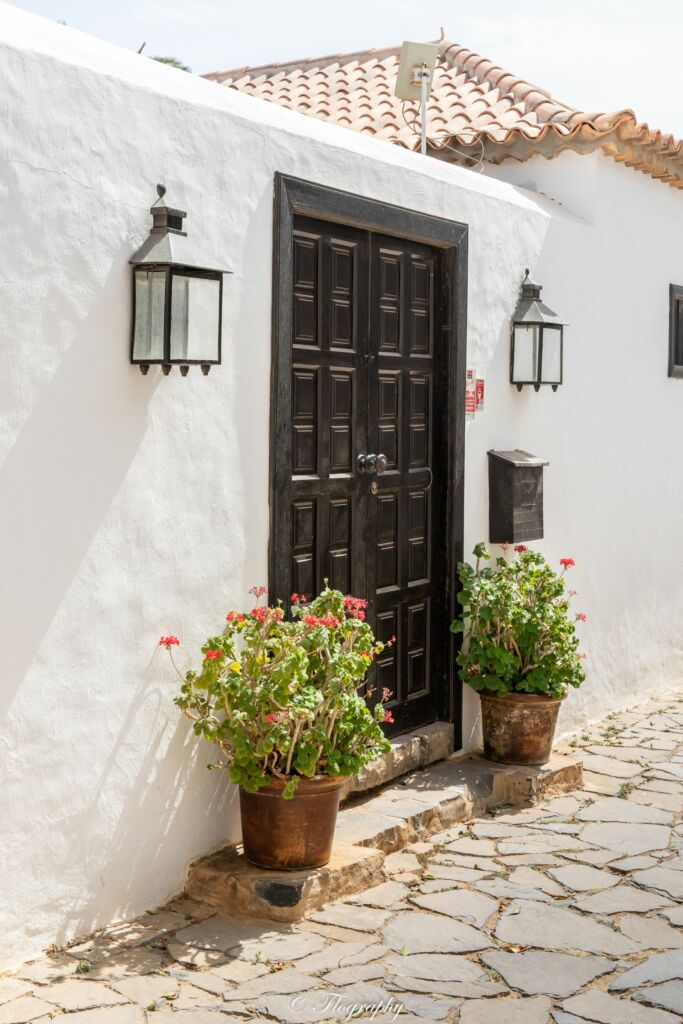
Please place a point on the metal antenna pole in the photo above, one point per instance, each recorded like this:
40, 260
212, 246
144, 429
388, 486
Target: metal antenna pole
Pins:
424, 78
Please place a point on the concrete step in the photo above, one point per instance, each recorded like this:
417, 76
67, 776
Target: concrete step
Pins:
370, 827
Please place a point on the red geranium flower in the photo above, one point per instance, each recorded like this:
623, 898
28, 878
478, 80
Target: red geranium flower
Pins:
388, 717
567, 562
258, 591
580, 616
272, 717
355, 607
234, 617
168, 642
331, 621
213, 655
519, 548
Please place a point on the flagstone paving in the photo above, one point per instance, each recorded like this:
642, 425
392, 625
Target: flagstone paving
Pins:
567, 912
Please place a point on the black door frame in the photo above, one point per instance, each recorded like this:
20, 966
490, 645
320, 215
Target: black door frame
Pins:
294, 196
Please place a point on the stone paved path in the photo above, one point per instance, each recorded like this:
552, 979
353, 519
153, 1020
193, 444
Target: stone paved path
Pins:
567, 912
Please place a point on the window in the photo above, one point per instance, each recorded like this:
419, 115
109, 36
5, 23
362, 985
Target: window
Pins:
676, 330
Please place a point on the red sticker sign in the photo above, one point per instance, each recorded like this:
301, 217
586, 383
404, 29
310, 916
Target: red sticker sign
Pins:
470, 394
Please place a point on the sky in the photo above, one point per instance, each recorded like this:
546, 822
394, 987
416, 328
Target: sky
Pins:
597, 55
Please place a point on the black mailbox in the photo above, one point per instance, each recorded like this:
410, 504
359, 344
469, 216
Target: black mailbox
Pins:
515, 496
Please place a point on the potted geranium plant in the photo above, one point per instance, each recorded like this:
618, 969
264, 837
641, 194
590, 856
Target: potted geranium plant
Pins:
520, 650
280, 700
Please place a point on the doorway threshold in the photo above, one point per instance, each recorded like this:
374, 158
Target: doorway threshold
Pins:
409, 752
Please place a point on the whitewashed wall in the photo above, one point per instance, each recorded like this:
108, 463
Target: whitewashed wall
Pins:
132, 506
614, 486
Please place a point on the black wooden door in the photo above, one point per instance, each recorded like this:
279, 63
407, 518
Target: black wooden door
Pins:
366, 380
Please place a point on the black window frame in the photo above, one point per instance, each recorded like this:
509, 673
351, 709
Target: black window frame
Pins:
676, 330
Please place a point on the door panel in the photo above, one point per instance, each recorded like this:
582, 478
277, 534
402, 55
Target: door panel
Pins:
366, 366
403, 516
329, 343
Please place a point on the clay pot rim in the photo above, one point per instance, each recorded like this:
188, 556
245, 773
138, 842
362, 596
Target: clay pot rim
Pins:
522, 698
316, 783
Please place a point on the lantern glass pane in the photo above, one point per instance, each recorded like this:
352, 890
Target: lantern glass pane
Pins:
525, 361
551, 368
150, 297
195, 314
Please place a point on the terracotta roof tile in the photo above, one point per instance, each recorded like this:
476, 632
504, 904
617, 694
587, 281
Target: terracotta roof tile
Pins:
475, 105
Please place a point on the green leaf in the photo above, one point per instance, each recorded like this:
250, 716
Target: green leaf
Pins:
290, 789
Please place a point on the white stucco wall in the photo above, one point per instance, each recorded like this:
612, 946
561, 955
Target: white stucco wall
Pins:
133, 506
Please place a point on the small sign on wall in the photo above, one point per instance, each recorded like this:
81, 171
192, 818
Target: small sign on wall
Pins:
474, 394
480, 394
470, 394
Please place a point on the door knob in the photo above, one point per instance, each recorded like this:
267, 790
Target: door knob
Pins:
370, 464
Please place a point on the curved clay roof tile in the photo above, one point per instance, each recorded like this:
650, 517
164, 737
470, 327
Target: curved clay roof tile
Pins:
516, 118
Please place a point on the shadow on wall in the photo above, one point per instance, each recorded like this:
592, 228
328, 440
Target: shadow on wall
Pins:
57, 485
63, 472
154, 820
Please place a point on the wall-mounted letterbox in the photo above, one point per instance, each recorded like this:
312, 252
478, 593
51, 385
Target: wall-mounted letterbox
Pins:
515, 496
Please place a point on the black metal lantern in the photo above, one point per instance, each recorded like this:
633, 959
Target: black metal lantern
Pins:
536, 346
177, 300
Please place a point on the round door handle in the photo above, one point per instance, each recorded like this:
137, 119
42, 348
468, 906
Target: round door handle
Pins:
367, 464
370, 464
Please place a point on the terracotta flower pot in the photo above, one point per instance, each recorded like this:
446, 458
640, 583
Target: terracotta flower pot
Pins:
290, 835
519, 728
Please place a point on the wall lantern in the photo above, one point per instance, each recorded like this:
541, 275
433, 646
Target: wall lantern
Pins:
177, 299
536, 348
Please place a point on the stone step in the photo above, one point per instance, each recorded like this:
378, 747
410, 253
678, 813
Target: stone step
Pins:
409, 752
370, 827
228, 881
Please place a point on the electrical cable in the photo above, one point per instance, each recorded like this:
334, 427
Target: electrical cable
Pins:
473, 163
